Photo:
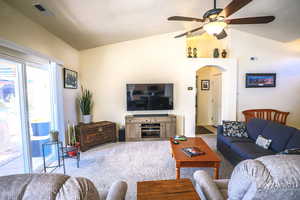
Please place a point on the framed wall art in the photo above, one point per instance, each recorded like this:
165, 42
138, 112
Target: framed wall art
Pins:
260, 80
70, 79
205, 84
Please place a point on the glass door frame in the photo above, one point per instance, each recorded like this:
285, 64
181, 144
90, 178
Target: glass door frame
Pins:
52, 118
23, 104
21, 91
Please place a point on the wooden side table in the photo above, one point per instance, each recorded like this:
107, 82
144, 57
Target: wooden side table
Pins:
181, 189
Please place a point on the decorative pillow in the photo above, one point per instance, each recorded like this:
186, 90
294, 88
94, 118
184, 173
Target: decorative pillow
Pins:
295, 151
263, 142
234, 129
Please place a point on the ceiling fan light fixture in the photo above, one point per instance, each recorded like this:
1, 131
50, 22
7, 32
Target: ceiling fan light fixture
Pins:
215, 27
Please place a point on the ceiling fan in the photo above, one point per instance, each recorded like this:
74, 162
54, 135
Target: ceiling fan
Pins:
216, 19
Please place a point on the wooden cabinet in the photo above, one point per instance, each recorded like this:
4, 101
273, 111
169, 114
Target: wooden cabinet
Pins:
152, 127
93, 134
132, 131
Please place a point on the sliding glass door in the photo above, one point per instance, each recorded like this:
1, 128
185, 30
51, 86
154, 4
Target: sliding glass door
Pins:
40, 112
26, 115
11, 142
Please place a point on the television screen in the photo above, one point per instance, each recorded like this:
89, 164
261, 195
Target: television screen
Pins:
149, 97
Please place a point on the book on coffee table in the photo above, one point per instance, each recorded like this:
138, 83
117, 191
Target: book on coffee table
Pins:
192, 151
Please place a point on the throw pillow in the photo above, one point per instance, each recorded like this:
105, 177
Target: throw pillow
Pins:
234, 129
295, 151
263, 142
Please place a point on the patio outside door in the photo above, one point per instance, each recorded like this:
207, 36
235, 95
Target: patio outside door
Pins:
39, 111
11, 142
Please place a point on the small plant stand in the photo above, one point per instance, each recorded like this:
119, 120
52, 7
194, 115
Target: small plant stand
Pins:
72, 152
59, 157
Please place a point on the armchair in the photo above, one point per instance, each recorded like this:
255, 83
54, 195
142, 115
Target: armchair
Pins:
275, 177
56, 187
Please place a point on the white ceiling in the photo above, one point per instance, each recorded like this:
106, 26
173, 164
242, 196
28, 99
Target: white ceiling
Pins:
91, 23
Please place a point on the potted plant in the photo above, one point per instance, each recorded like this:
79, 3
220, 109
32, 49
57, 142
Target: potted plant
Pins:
54, 136
86, 104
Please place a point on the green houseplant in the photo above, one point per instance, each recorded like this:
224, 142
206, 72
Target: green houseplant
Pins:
86, 104
54, 135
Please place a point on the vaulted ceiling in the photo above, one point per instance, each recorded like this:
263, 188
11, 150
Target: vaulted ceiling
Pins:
91, 23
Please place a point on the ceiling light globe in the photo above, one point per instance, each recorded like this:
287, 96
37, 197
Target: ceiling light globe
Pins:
213, 28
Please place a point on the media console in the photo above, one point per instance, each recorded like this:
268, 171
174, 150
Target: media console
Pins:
151, 115
144, 127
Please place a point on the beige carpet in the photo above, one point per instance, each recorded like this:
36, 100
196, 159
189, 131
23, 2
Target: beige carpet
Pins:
132, 162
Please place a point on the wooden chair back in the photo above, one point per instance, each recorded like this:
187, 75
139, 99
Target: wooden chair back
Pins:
267, 114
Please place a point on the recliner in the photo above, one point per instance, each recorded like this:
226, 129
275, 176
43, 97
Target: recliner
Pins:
275, 177
56, 187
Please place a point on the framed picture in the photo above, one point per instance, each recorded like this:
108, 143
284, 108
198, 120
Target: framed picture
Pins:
205, 84
70, 79
260, 80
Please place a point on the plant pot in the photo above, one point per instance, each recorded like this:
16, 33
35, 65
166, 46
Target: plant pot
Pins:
86, 119
54, 136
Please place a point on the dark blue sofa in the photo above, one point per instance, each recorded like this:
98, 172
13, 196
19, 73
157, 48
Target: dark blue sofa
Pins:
237, 149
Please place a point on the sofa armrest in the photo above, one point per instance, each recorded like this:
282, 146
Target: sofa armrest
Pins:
117, 191
220, 130
206, 187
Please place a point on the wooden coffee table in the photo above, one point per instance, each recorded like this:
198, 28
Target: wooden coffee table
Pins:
181, 189
210, 159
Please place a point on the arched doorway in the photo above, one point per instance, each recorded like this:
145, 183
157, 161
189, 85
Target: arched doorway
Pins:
208, 108
229, 69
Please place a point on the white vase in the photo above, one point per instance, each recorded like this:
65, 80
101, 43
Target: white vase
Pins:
86, 119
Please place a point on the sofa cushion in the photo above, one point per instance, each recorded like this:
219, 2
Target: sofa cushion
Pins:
234, 129
250, 150
279, 134
294, 141
263, 142
229, 140
255, 127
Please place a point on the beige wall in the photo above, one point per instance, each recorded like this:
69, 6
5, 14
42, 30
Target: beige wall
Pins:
17, 28
106, 70
157, 59
271, 57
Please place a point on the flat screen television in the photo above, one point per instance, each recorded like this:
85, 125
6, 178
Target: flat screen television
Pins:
149, 97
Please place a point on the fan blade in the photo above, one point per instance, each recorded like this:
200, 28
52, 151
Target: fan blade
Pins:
181, 18
191, 31
233, 7
221, 35
251, 20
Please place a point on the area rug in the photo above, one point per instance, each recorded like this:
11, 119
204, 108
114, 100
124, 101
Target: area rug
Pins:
132, 162
202, 130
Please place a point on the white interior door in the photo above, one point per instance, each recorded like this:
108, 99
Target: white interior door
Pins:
216, 98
